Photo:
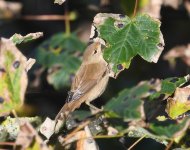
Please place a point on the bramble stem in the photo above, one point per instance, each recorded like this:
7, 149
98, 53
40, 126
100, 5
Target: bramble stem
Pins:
67, 20
135, 9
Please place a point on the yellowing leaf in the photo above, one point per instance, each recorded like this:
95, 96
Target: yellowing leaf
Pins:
17, 38
13, 76
180, 103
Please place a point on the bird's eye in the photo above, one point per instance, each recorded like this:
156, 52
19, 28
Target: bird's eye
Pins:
95, 51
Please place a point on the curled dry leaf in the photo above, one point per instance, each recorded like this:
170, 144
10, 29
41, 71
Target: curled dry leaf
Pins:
86, 141
13, 76
27, 135
112, 131
9, 9
182, 52
10, 127
17, 38
187, 6
153, 7
172, 3
47, 128
59, 2
179, 104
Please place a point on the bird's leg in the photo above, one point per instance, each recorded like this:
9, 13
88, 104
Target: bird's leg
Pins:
93, 108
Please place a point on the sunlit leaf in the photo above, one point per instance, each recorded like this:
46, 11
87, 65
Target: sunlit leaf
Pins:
179, 104
127, 37
17, 38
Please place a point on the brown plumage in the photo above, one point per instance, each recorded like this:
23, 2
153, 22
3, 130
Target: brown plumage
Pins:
89, 83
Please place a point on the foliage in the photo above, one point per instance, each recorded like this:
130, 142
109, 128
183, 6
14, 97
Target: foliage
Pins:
126, 37
61, 55
156, 109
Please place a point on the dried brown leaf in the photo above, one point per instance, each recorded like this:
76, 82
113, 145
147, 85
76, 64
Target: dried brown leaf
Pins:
27, 135
13, 76
182, 52
9, 9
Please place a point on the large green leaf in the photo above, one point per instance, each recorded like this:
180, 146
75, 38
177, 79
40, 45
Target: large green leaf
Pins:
128, 103
61, 56
127, 37
13, 76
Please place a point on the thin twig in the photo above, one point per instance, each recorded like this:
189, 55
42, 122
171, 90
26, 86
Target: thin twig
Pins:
76, 130
136, 142
7, 143
108, 136
15, 114
135, 9
45, 17
169, 145
67, 21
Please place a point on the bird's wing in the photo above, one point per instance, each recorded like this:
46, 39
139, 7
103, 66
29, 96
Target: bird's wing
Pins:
86, 78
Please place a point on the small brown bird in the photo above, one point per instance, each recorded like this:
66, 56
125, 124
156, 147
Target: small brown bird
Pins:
89, 83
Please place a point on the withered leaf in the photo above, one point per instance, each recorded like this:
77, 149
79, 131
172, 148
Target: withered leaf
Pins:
13, 76
179, 104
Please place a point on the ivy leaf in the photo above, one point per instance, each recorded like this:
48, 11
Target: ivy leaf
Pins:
17, 38
61, 56
127, 37
13, 76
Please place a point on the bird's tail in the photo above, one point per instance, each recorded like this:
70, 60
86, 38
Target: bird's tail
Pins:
65, 111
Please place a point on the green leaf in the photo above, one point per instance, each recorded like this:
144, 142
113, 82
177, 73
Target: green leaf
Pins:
171, 130
137, 132
17, 38
63, 76
127, 104
13, 76
127, 37
61, 56
169, 85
